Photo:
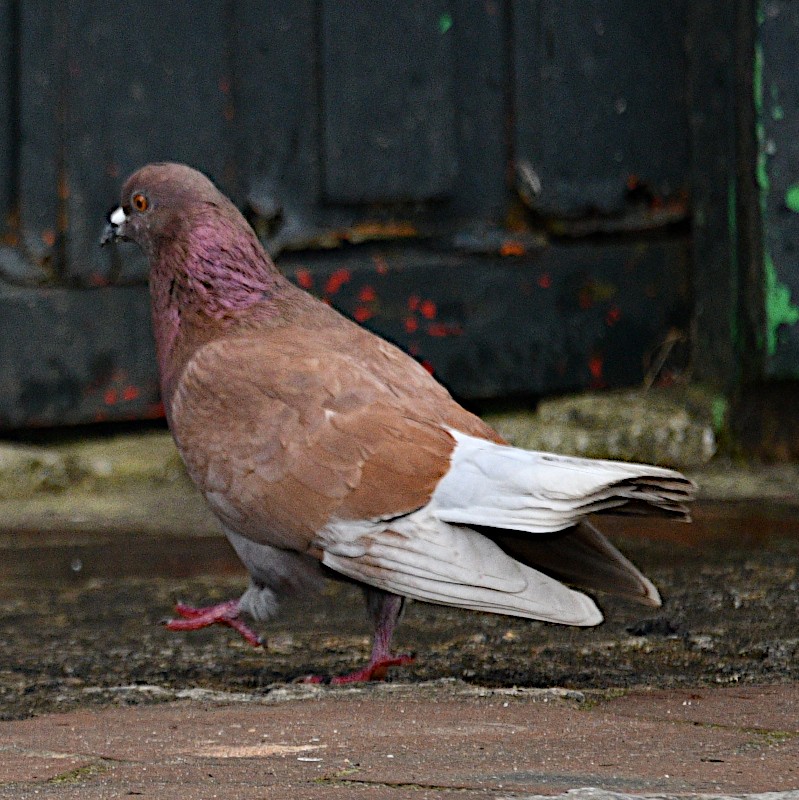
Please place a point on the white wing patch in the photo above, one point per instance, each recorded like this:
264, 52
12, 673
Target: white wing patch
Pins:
506, 487
421, 557
432, 554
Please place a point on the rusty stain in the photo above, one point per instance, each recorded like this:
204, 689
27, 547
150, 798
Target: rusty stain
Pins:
366, 231
304, 278
337, 280
96, 279
48, 237
224, 85
511, 247
229, 112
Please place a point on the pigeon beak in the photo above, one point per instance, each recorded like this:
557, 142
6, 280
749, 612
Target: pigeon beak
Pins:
114, 227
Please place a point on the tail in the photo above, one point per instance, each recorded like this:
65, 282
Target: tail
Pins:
535, 507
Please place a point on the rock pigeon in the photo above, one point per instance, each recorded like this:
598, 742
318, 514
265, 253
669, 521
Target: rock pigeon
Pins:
326, 451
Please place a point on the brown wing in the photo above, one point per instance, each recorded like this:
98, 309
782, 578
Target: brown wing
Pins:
281, 437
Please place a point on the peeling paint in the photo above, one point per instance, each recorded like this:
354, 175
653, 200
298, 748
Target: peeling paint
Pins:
779, 308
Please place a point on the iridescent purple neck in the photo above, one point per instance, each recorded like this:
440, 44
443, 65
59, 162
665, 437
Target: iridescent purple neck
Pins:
203, 278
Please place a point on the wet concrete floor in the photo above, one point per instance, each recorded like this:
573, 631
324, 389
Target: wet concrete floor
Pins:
81, 600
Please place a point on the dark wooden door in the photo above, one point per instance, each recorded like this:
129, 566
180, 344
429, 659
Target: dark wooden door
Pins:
500, 186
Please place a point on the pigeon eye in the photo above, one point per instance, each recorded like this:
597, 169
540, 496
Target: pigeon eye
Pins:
139, 202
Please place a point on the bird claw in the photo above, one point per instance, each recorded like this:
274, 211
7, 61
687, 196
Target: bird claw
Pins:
375, 670
226, 613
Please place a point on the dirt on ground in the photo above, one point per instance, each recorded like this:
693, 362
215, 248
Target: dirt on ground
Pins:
80, 612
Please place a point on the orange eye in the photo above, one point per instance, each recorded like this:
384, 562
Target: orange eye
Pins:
139, 202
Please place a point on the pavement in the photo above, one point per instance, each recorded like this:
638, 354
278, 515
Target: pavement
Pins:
434, 740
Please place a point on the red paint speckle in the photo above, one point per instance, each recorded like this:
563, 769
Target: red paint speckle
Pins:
155, 410
443, 329
428, 309
337, 280
413, 302
428, 366
595, 367
367, 294
110, 397
411, 325
545, 280
304, 278
362, 313
613, 316
130, 393
381, 265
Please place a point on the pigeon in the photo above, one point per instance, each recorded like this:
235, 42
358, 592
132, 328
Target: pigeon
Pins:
327, 452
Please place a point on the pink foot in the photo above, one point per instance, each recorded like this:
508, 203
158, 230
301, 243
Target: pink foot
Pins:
226, 613
373, 671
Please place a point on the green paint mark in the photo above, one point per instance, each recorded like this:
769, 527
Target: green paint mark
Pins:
445, 22
718, 411
779, 308
778, 113
792, 198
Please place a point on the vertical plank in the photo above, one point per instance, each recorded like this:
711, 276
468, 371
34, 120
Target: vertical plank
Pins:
276, 97
388, 106
41, 104
481, 71
777, 104
712, 98
142, 87
599, 94
8, 79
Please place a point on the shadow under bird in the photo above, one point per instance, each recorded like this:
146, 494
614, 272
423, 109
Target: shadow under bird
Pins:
325, 451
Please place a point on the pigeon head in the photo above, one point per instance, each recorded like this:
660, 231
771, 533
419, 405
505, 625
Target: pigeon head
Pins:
157, 203
208, 270
203, 254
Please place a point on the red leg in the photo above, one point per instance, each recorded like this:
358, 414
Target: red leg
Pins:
385, 610
227, 613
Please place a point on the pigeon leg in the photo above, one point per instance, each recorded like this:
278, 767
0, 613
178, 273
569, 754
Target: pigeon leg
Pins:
227, 613
384, 610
